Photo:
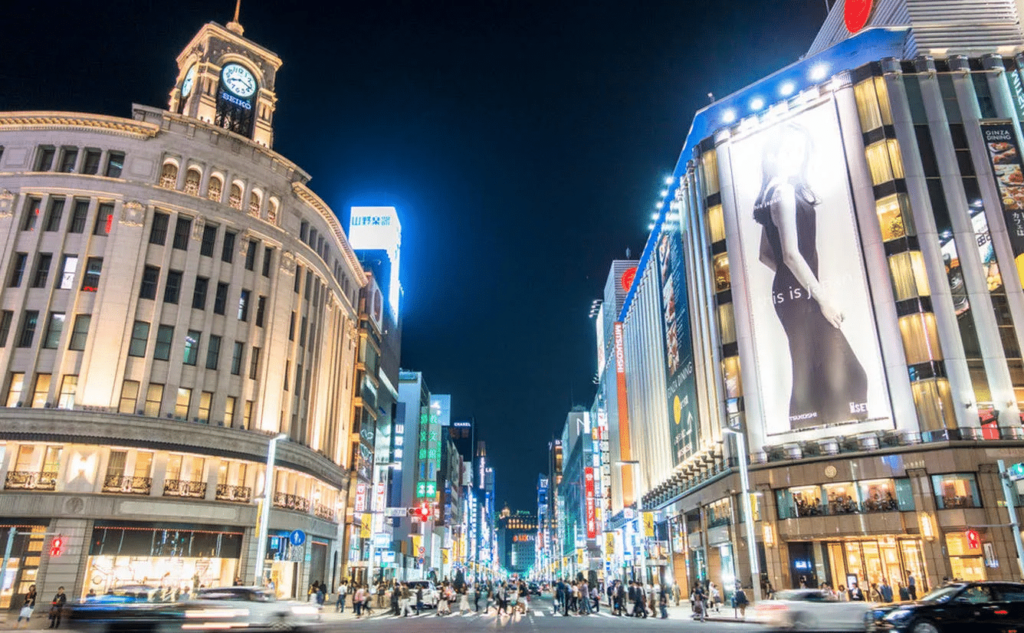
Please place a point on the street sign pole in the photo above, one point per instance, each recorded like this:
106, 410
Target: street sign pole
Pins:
1004, 477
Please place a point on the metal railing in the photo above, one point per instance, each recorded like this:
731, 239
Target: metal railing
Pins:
125, 485
183, 488
326, 513
31, 480
241, 494
291, 502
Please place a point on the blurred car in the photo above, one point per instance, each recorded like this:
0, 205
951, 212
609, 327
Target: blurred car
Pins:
429, 592
975, 606
249, 607
811, 610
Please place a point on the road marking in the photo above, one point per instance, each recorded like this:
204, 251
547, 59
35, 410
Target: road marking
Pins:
538, 613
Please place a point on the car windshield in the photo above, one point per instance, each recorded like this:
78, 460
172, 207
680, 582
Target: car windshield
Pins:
942, 594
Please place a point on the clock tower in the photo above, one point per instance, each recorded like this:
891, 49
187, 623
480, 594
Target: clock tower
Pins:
228, 81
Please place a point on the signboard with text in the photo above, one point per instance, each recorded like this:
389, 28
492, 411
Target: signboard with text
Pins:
591, 514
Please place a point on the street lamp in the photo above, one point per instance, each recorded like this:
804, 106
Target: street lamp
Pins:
748, 511
640, 515
263, 521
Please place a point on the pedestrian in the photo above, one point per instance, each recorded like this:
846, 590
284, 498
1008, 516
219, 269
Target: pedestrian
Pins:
842, 594
357, 602
715, 598
27, 607
885, 591
740, 602
321, 595
663, 603
463, 601
856, 595
700, 609
406, 600
904, 592
311, 592
476, 597
342, 590
57, 608
419, 599
874, 593
396, 599
367, 600
595, 597
912, 586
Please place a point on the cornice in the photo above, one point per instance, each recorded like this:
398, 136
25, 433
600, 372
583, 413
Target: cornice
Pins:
306, 195
48, 120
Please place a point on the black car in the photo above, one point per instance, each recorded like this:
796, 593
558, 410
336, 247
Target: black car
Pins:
978, 607
534, 588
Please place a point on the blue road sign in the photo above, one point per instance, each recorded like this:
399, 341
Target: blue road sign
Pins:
297, 537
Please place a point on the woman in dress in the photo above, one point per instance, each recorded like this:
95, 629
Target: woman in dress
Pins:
829, 383
464, 601
27, 607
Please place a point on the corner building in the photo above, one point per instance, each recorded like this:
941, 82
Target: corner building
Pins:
173, 295
836, 275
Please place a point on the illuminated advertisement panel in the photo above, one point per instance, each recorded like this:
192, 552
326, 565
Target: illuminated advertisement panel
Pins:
588, 478
816, 354
1008, 169
681, 384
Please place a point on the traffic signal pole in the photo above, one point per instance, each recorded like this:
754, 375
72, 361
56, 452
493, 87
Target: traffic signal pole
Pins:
1011, 509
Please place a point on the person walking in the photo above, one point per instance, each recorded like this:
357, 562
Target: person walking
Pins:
663, 603
357, 602
912, 586
464, 601
885, 591
700, 607
476, 597
419, 599
27, 607
342, 591
57, 608
396, 599
740, 601
406, 600
904, 592
367, 601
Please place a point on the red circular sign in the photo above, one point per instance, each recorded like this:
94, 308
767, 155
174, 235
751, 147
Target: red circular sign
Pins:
628, 277
856, 14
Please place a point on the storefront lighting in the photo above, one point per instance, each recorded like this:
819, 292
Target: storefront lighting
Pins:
818, 72
769, 535
787, 89
728, 116
756, 103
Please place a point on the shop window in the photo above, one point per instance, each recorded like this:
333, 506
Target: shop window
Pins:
956, 491
894, 217
920, 338
934, 404
841, 498
909, 278
965, 563
879, 495
709, 164
719, 513
169, 176
806, 501
716, 224
721, 266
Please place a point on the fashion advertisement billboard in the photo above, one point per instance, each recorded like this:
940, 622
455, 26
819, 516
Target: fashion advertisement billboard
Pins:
816, 352
681, 385
1008, 169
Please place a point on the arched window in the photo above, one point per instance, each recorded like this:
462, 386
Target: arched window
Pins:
254, 203
169, 176
192, 178
214, 188
272, 211
235, 199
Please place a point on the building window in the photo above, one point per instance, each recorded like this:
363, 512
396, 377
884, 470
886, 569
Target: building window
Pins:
268, 256
91, 278
209, 239
42, 272
254, 363
18, 270
54, 329
68, 158
129, 396
709, 169
297, 284
68, 389
79, 215
31, 214
115, 164
220, 300
968, 565
721, 266
154, 398
139, 340
872, 103
41, 391
182, 229
66, 281
291, 327
205, 402
236, 358
934, 404
199, 293
150, 279
192, 178
250, 255
172, 289
158, 231
80, 332
235, 199
261, 305
104, 219
956, 491
726, 324
243, 306
192, 347
164, 338
44, 161
920, 338
894, 217
213, 352
14, 388
182, 403
229, 411
169, 176
28, 328
54, 215
227, 251
884, 161
91, 163
6, 317
214, 188
247, 415
287, 371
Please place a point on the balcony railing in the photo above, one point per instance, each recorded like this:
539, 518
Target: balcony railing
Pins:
241, 494
128, 485
326, 513
291, 502
182, 488
719, 522
31, 480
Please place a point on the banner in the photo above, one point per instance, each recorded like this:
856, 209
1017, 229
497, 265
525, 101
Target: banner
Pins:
815, 348
625, 450
681, 384
360, 505
649, 524
1008, 170
591, 515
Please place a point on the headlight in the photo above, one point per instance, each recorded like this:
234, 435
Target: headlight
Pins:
899, 615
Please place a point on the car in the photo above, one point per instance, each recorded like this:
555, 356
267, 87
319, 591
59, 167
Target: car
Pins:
250, 608
534, 588
429, 592
961, 606
811, 610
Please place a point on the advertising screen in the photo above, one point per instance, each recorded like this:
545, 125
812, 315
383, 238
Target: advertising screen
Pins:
679, 379
1008, 169
815, 347
591, 516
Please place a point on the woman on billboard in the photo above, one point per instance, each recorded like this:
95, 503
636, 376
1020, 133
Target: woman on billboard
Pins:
829, 383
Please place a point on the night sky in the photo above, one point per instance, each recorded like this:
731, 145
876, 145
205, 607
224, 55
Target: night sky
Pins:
524, 144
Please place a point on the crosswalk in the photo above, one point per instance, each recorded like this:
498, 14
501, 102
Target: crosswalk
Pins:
532, 613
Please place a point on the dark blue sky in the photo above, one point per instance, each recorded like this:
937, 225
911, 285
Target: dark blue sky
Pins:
524, 143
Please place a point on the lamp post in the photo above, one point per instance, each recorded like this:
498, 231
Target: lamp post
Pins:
748, 511
262, 526
640, 516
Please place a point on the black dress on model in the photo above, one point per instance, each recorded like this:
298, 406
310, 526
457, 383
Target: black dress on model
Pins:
829, 384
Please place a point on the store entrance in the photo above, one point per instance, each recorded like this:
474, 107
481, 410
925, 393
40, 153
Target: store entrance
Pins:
871, 561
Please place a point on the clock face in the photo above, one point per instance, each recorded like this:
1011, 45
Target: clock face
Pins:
238, 81
186, 86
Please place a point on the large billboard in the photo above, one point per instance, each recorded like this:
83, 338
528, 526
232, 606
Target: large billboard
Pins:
681, 384
1008, 169
815, 347
378, 228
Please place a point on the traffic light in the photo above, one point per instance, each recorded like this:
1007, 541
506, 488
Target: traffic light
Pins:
973, 540
423, 512
1015, 472
57, 546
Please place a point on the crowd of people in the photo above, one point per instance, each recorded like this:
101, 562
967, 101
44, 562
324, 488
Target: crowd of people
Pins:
405, 599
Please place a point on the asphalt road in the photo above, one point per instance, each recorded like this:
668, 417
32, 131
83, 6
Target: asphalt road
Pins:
539, 618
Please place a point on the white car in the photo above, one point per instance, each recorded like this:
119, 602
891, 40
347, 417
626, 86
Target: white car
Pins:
429, 592
811, 610
249, 608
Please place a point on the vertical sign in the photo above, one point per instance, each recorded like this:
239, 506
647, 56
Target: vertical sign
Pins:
649, 524
1004, 156
591, 516
625, 452
360, 497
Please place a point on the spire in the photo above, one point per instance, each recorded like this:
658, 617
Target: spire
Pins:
234, 25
